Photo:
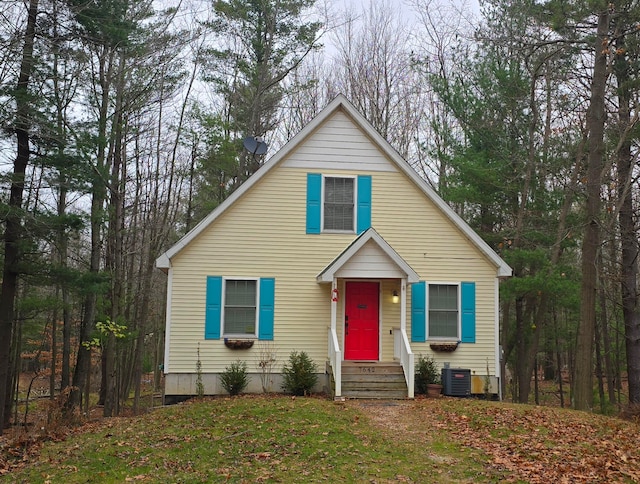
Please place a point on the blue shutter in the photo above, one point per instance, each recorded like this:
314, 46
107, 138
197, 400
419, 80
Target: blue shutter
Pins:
364, 203
468, 304
213, 311
265, 317
314, 200
418, 312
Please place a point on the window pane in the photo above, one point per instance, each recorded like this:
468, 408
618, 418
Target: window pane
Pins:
443, 311
240, 321
443, 297
338, 203
240, 307
241, 293
443, 324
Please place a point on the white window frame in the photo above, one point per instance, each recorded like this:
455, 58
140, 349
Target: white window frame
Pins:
224, 306
459, 312
355, 205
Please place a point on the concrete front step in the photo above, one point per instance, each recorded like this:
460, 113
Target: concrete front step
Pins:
376, 380
394, 384
371, 368
375, 395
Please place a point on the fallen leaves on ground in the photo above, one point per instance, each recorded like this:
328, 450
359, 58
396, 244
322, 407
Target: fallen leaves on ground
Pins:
522, 442
513, 443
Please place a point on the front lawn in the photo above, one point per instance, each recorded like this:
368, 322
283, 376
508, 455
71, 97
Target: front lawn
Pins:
285, 439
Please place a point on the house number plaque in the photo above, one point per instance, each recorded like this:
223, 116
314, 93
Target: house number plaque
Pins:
367, 369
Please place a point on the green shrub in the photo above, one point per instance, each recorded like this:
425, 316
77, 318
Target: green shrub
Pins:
299, 374
234, 378
426, 373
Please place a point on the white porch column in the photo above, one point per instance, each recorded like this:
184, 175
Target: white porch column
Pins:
334, 304
335, 355
403, 304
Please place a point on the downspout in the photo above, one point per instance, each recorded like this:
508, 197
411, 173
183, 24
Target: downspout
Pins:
167, 333
496, 313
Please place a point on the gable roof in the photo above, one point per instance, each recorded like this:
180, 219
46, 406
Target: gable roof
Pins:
340, 103
329, 272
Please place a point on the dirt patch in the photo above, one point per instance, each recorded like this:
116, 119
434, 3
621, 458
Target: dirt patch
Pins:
398, 417
520, 442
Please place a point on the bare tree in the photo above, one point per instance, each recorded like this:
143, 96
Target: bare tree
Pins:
626, 160
583, 379
13, 221
374, 69
444, 35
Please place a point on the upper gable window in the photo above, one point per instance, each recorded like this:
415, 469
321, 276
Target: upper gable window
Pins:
339, 204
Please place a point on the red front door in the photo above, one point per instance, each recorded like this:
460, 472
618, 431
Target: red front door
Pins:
361, 325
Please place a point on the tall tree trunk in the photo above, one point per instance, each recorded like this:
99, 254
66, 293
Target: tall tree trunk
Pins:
54, 354
506, 345
521, 372
62, 238
608, 364
115, 243
628, 277
583, 379
558, 357
598, 340
83, 363
13, 224
65, 377
628, 229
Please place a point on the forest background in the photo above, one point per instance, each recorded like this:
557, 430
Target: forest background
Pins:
122, 127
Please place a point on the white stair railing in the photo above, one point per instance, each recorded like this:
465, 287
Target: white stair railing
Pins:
335, 361
402, 351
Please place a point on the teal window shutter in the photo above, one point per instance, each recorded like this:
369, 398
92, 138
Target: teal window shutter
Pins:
468, 304
418, 312
364, 203
314, 202
213, 311
265, 318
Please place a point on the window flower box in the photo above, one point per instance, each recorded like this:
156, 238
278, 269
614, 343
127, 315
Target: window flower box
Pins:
238, 344
444, 346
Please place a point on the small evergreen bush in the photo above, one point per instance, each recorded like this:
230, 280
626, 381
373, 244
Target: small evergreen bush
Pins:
426, 373
299, 374
234, 378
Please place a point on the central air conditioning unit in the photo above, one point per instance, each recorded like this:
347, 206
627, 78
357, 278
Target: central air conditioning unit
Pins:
456, 382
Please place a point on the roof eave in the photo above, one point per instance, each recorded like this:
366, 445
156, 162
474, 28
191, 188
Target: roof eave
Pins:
503, 268
338, 101
328, 273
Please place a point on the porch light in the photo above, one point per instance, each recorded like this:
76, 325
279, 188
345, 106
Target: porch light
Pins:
395, 298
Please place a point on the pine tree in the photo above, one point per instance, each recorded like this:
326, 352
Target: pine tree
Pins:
13, 221
259, 43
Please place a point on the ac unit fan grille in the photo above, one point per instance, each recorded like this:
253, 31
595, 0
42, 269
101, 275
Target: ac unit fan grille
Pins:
456, 382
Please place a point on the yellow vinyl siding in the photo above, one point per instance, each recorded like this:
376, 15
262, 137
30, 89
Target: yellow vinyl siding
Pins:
263, 235
338, 145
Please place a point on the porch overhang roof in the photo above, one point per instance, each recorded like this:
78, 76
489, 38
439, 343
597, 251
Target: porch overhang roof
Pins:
329, 272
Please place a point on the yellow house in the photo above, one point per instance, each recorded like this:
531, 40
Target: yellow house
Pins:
338, 248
